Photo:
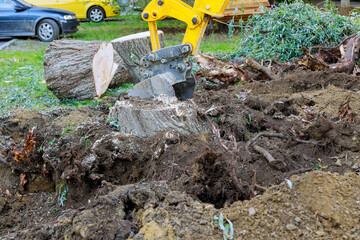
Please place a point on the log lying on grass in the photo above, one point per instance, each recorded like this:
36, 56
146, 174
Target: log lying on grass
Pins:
85, 69
79, 69
145, 118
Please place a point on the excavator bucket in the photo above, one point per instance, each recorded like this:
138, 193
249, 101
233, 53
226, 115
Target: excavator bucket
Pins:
166, 71
164, 84
154, 87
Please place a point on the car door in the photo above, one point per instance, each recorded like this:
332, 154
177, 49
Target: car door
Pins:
14, 22
75, 6
42, 3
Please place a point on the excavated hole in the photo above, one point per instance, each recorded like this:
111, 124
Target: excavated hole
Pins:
215, 181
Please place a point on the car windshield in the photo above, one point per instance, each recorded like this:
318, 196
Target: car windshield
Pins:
24, 3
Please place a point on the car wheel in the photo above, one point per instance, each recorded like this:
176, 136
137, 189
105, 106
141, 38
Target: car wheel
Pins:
96, 14
47, 30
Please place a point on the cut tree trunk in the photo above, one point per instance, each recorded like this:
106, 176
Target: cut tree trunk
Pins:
85, 69
145, 118
76, 69
131, 49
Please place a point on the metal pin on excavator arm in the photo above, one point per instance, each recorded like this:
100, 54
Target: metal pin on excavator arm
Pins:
168, 70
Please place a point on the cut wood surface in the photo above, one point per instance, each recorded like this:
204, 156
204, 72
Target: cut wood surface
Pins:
86, 69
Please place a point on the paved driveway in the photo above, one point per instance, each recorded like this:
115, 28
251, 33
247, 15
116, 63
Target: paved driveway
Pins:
4, 42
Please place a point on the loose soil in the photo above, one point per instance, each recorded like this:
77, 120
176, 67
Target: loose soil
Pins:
171, 186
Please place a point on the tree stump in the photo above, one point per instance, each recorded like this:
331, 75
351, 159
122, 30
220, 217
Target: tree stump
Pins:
145, 118
85, 69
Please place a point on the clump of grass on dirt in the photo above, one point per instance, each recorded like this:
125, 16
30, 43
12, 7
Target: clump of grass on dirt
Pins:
280, 33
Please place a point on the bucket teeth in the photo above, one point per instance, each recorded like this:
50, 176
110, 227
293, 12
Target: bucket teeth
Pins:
164, 84
185, 90
154, 87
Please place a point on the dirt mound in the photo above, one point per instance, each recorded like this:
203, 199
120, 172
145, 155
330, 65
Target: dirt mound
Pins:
71, 170
319, 205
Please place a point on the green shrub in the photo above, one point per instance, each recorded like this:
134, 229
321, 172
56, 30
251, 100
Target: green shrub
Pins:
281, 32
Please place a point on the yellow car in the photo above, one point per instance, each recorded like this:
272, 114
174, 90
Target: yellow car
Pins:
94, 10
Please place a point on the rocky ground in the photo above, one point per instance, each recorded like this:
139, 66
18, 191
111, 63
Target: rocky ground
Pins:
278, 159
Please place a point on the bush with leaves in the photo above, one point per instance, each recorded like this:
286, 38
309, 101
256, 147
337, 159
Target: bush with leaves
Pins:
281, 32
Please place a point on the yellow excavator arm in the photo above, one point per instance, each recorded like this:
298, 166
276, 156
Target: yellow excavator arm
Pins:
168, 70
196, 18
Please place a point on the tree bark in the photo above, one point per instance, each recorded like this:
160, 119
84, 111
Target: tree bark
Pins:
131, 49
350, 57
215, 69
313, 63
252, 63
79, 69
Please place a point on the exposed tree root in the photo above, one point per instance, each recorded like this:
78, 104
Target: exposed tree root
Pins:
275, 163
305, 141
342, 58
260, 187
262, 134
252, 63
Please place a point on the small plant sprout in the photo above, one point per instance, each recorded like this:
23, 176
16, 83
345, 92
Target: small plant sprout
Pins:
248, 120
86, 139
228, 229
62, 190
66, 131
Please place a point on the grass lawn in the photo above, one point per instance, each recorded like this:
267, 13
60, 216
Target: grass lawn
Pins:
22, 82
